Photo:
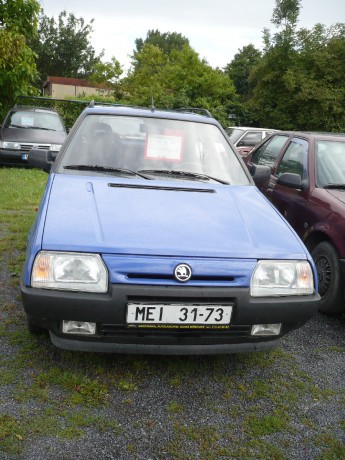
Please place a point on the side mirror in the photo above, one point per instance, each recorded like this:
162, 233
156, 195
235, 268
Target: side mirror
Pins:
260, 173
41, 159
291, 180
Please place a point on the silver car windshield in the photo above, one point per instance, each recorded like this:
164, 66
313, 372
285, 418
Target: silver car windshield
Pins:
153, 148
35, 119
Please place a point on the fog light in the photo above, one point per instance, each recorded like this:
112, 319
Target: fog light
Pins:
78, 327
266, 329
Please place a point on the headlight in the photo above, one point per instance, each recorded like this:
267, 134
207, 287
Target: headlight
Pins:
10, 145
55, 147
281, 278
69, 271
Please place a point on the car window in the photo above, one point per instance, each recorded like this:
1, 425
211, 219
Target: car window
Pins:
234, 133
144, 144
330, 163
35, 119
268, 152
295, 158
250, 139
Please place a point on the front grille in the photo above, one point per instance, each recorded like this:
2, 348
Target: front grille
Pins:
152, 276
28, 146
117, 330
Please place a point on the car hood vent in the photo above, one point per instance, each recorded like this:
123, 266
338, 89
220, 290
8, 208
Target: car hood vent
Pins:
162, 187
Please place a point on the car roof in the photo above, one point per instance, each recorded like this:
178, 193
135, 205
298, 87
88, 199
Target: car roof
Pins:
17, 108
187, 114
248, 128
313, 134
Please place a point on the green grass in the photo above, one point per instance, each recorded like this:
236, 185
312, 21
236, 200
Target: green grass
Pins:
256, 395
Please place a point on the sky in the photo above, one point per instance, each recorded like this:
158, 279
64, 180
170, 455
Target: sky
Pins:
216, 29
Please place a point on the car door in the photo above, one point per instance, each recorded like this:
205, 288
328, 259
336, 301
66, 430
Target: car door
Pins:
267, 153
291, 202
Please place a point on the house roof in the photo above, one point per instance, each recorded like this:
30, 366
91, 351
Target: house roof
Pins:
73, 82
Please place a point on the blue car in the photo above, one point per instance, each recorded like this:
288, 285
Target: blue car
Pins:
152, 237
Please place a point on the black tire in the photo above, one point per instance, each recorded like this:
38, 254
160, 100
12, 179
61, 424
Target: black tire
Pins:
32, 327
330, 288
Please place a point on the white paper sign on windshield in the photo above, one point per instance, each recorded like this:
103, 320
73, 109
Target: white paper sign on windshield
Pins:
163, 147
27, 121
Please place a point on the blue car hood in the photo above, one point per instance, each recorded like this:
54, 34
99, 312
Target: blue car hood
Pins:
166, 218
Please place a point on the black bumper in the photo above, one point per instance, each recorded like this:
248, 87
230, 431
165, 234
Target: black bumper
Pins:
13, 156
47, 308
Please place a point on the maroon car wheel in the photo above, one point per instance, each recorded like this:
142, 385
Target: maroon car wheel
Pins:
330, 289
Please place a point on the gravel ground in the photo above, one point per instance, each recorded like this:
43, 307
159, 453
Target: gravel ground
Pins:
177, 407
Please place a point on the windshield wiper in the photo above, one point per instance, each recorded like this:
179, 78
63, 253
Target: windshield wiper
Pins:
105, 169
41, 127
183, 174
335, 186
17, 126
29, 127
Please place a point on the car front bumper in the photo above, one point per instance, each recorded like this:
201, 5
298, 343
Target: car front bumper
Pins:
13, 156
47, 309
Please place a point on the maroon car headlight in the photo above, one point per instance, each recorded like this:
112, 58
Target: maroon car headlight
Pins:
70, 271
281, 278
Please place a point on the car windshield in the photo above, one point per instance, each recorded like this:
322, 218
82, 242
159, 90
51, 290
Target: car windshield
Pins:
234, 133
153, 149
330, 163
35, 119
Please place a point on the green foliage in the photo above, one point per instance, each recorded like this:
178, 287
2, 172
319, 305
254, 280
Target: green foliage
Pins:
167, 42
240, 68
267, 424
63, 47
18, 20
17, 68
107, 72
286, 13
178, 79
11, 433
303, 89
19, 16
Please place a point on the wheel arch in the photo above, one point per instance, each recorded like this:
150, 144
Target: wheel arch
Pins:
315, 238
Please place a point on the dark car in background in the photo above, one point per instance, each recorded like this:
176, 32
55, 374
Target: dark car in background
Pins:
245, 139
25, 128
307, 186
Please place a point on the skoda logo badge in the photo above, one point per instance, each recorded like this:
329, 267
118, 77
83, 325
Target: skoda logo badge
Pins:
183, 272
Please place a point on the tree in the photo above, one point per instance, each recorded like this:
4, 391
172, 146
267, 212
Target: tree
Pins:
299, 81
18, 19
107, 72
271, 104
166, 42
315, 81
63, 47
19, 16
178, 78
240, 68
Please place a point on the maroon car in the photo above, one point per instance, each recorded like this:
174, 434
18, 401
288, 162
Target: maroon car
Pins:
307, 185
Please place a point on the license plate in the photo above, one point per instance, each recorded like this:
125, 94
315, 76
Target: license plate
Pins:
25, 156
169, 314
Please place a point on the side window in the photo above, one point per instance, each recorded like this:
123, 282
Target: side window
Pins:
250, 139
295, 159
269, 151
